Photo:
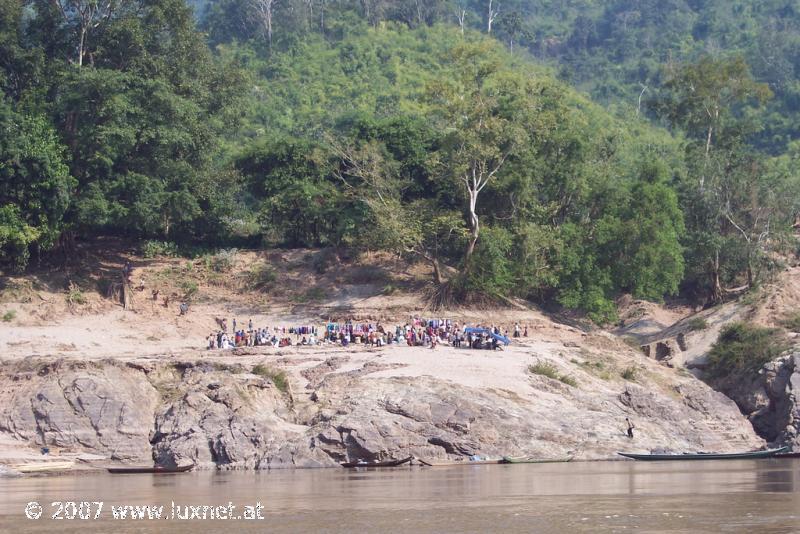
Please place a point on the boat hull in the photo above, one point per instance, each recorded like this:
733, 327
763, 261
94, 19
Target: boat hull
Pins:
43, 467
388, 463
148, 470
507, 460
754, 455
464, 463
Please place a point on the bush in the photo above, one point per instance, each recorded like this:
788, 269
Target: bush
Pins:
744, 348
261, 276
544, 369
568, 380
791, 322
697, 323
75, 296
189, 288
9, 316
277, 377
630, 373
551, 371
389, 289
224, 260
323, 260
311, 295
151, 249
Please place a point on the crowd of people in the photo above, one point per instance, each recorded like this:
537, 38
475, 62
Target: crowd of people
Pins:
417, 332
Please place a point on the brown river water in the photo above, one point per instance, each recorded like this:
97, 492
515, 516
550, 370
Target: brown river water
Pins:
701, 496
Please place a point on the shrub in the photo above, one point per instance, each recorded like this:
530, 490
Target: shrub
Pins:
277, 377
311, 295
697, 323
261, 276
791, 322
630, 373
75, 296
389, 289
568, 380
324, 259
189, 288
9, 316
544, 369
744, 348
151, 249
224, 260
551, 371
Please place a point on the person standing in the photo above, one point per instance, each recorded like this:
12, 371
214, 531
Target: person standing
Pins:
630, 428
234, 324
250, 324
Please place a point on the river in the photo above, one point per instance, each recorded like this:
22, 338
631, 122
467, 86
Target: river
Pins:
703, 496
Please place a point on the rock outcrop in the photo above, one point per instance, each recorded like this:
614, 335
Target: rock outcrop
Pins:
352, 407
771, 399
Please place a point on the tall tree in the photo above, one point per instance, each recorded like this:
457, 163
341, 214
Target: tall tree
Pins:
483, 112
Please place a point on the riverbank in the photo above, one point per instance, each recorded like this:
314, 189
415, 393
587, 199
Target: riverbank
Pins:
264, 408
82, 376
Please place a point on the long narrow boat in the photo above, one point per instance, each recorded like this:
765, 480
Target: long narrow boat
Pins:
788, 455
43, 467
431, 463
508, 460
769, 453
387, 463
156, 470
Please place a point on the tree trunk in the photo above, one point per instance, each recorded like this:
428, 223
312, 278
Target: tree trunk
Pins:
716, 286
80, 46
474, 226
437, 271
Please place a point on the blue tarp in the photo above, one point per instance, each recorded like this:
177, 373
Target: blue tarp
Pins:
486, 331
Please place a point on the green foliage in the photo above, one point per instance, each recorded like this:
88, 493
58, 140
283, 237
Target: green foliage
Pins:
551, 371
190, 289
313, 294
278, 377
630, 373
224, 260
697, 323
75, 296
152, 249
791, 322
261, 276
36, 185
376, 126
9, 316
743, 348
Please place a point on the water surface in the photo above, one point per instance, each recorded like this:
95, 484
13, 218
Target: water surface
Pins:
703, 496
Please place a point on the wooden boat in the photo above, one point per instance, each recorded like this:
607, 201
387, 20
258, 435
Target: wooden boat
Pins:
387, 463
508, 460
430, 463
43, 467
769, 453
155, 470
788, 455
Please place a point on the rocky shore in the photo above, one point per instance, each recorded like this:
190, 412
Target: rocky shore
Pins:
316, 407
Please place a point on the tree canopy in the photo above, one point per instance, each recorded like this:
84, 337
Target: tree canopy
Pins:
563, 152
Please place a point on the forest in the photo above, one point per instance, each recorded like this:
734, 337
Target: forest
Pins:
564, 152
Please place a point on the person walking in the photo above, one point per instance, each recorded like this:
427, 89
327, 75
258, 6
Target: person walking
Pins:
630, 428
